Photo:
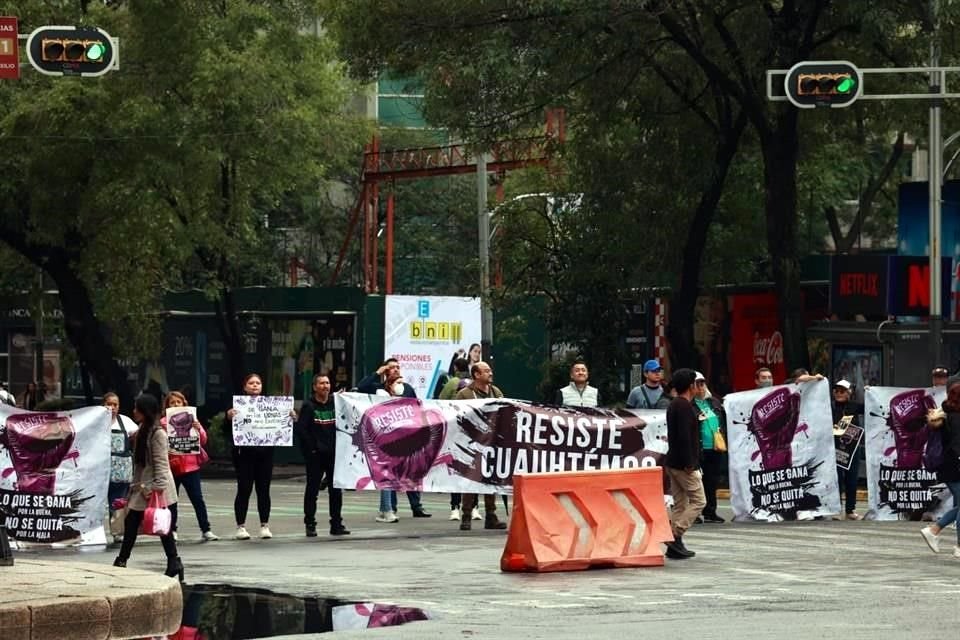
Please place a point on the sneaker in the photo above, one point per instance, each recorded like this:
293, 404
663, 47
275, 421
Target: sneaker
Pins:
311, 530
242, 533
175, 536
837, 517
387, 516
956, 551
932, 540
339, 530
454, 514
265, 532
475, 514
210, 536
853, 515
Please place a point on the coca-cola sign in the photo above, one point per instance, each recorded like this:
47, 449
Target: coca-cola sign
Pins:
767, 350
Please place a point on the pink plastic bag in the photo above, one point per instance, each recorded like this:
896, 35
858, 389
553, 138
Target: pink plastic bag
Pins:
157, 518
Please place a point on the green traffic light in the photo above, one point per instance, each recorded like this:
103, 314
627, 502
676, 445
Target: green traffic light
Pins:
846, 85
95, 51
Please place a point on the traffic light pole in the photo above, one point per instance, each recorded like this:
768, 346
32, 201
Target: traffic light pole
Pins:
935, 93
935, 181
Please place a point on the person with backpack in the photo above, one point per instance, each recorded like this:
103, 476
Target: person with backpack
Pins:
945, 431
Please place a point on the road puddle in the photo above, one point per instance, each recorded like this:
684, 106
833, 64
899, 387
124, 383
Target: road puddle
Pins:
228, 612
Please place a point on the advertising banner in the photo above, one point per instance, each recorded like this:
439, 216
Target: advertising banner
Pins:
899, 487
263, 421
476, 446
54, 470
755, 338
423, 333
182, 437
782, 458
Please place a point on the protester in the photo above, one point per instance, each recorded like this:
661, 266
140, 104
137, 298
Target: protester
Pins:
31, 397
254, 468
712, 420
578, 393
481, 386
474, 353
5, 396
186, 470
122, 430
949, 471
763, 378
646, 395
386, 380
681, 462
151, 473
846, 411
317, 432
939, 376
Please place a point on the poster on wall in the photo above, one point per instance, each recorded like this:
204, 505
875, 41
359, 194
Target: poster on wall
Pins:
899, 486
54, 470
861, 366
476, 446
755, 338
781, 453
303, 347
424, 332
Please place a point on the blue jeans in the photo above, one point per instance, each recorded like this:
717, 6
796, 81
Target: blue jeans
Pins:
191, 482
952, 516
388, 500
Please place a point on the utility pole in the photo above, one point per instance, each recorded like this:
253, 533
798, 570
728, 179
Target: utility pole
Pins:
483, 230
936, 185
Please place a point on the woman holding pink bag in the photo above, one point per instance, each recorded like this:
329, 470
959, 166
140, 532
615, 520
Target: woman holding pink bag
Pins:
152, 480
186, 469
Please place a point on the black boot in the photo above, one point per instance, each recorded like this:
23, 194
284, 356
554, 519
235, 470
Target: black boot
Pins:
683, 547
120, 562
420, 513
493, 522
337, 529
311, 530
174, 568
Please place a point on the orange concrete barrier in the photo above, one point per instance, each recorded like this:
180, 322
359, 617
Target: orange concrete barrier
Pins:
584, 520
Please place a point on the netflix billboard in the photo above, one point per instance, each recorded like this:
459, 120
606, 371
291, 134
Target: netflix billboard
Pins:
858, 285
910, 286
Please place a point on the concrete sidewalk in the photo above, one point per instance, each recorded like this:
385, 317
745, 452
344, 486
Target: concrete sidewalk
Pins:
83, 601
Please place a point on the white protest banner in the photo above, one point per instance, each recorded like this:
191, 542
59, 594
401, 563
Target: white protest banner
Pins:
476, 446
899, 487
782, 458
182, 436
263, 421
423, 333
54, 470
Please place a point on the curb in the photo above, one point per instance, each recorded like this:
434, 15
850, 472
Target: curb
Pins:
83, 601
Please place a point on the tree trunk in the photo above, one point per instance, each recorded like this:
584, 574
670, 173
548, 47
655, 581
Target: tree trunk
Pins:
229, 325
89, 336
683, 351
780, 153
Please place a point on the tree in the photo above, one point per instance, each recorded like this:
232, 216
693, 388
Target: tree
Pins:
159, 175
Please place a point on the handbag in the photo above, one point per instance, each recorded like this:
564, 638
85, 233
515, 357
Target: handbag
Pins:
719, 442
157, 519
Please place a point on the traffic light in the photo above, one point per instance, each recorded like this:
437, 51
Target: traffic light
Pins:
71, 51
834, 83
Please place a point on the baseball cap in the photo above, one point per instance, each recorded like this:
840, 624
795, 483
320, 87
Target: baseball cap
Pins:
651, 365
842, 384
698, 376
940, 370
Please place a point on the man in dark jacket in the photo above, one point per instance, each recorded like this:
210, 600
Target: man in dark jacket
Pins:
317, 430
682, 461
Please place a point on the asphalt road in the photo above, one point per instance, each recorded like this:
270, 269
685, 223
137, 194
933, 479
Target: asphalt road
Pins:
820, 579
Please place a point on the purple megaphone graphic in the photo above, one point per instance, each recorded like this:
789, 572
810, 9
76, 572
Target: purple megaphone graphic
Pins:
38, 443
401, 440
182, 423
908, 421
773, 422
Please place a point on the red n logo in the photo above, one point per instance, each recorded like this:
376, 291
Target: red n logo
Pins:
918, 286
